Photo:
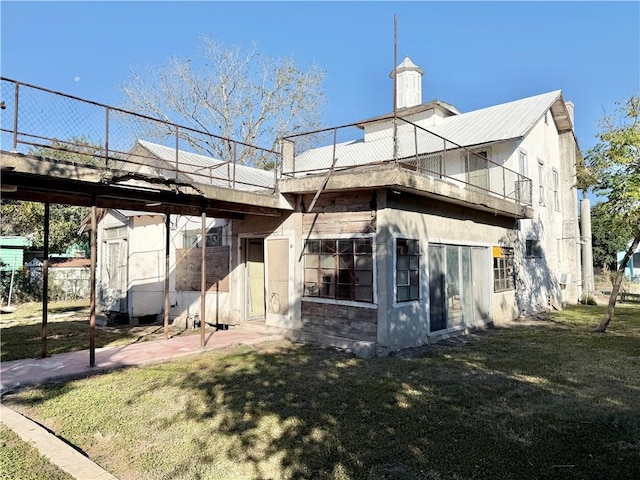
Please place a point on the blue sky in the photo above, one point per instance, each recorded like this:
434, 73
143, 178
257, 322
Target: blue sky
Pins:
475, 54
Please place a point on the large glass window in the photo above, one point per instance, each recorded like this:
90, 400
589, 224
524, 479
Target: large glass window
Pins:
503, 273
458, 290
407, 270
339, 268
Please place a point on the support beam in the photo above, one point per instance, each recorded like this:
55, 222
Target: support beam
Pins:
167, 230
92, 294
45, 282
203, 278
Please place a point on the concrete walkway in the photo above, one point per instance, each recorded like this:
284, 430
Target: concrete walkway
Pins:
20, 373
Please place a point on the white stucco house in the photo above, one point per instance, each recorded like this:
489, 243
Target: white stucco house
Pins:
413, 225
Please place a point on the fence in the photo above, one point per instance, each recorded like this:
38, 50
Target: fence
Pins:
51, 124
408, 144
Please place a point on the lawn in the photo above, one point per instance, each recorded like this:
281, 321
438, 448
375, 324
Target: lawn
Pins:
545, 400
19, 460
67, 330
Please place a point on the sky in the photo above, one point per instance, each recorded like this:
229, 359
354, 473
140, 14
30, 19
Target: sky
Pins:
474, 54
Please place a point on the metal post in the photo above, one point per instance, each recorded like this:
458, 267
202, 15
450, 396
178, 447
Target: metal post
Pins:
177, 150
235, 160
415, 142
15, 120
45, 282
106, 141
504, 182
167, 219
395, 87
203, 278
92, 291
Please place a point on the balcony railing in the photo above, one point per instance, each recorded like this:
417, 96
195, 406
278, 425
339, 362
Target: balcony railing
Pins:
412, 147
50, 124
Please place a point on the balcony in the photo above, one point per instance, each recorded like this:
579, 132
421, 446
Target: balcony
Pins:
413, 159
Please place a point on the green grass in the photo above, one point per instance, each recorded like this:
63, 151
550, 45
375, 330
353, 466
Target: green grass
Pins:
545, 400
67, 331
19, 460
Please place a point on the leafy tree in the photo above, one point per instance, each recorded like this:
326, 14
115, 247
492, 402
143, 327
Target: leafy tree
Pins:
610, 235
615, 165
26, 219
78, 149
233, 93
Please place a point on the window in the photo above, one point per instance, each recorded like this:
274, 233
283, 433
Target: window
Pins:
541, 182
556, 194
115, 232
192, 238
533, 249
503, 273
341, 269
522, 160
407, 270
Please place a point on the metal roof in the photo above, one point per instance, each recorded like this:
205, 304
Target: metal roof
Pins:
247, 178
496, 123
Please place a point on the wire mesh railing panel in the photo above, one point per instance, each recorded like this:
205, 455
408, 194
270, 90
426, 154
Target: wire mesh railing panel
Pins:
54, 125
411, 147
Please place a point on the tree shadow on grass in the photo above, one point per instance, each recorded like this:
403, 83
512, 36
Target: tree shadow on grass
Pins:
306, 412
518, 403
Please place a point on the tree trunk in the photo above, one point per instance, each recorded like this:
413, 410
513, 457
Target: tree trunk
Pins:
616, 286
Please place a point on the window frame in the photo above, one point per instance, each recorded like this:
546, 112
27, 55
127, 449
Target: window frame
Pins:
214, 237
522, 163
337, 296
541, 199
533, 248
503, 269
412, 272
556, 188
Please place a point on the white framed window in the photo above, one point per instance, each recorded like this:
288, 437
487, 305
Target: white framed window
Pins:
556, 186
541, 182
503, 271
522, 162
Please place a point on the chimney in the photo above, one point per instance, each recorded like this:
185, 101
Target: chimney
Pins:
409, 84
569, 106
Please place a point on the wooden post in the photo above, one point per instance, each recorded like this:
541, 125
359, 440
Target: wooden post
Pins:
92, 294
167, 219
45, 282
203, 278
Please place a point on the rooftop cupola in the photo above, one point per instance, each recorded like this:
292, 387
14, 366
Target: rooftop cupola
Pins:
409, 84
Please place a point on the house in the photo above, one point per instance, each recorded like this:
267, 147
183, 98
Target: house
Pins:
68, 277
131, 265
632, 270
12, 252
407, 227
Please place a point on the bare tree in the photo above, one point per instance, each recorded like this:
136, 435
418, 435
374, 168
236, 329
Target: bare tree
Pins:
232, 93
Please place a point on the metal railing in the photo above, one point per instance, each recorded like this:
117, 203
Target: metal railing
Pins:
46, 123
412, 147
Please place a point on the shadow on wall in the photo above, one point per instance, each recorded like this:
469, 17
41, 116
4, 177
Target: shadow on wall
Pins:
537, 289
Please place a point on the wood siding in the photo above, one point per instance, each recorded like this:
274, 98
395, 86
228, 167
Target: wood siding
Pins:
340, 213
348, 322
